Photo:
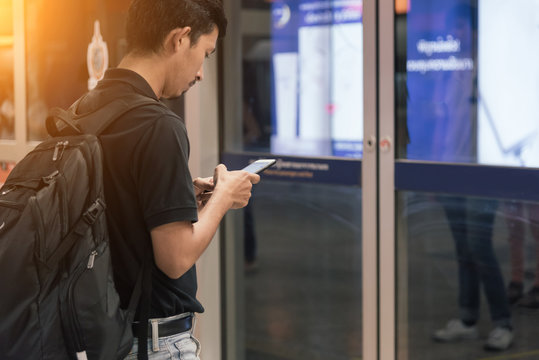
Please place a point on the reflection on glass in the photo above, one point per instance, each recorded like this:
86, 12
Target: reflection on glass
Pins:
471, 222
455, 58
303, 272
518, 217
58, 33
441, 81
303, 83
256, 93
467, 277
7, 107
508, 114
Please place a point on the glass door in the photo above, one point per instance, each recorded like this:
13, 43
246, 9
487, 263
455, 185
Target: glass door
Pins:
459, 275
294, 90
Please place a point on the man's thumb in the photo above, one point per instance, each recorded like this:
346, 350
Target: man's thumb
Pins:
219, 169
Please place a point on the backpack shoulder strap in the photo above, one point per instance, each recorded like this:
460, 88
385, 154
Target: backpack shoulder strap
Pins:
96, 121
66, 119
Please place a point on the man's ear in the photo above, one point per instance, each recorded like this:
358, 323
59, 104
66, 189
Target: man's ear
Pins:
177, 38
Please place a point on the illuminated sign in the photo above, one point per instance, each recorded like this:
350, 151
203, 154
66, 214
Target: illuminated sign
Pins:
317, 73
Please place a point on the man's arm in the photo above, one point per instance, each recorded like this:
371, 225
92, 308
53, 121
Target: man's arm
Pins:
178, 245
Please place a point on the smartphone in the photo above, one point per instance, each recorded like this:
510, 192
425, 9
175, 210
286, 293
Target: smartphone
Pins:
259, 165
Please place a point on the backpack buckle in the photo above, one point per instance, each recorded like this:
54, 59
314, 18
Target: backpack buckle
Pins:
93, 212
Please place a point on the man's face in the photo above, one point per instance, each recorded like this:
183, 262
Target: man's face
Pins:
187, 65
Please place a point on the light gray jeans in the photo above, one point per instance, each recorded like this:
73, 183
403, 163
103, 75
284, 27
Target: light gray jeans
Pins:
182, 346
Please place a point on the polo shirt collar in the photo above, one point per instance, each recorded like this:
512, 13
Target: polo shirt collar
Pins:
132, 78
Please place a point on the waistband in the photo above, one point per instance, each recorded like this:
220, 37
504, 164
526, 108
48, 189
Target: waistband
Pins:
162, 327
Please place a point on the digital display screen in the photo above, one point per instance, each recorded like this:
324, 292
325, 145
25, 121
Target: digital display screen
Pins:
472, 81
441, 81
317, 78
508, 63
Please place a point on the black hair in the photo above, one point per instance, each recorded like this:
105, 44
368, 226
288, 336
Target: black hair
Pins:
150, 21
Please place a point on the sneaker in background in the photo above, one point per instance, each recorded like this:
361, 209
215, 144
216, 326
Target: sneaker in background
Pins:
456, 330
531, 299
515, 290
501, 338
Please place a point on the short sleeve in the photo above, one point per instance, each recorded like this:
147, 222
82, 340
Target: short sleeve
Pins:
161, 174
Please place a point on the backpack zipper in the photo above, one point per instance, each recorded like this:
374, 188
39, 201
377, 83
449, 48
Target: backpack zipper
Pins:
40, 226
7, 191
59, 150
91, 259
62, 198
73, 319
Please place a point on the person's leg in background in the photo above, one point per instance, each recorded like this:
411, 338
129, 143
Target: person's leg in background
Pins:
514, 217
531, 298
471, 222
481, 216
468, 278
249, 236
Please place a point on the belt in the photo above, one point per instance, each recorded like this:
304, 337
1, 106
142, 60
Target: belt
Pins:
168, 328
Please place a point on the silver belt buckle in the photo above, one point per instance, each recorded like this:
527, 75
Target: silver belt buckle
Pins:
155, 335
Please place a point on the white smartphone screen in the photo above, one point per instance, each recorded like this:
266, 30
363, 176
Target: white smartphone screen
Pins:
259, 165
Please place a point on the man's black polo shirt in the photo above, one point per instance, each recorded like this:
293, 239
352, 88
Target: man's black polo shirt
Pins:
147, 184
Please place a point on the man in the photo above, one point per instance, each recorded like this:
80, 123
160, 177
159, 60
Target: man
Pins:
152, 203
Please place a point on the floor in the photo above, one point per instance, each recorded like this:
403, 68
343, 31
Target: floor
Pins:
303, 297
303, 300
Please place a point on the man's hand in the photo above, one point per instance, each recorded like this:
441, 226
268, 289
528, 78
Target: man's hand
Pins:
203, 190
234, 186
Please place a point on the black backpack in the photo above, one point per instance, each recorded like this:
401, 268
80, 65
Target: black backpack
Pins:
57, 297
